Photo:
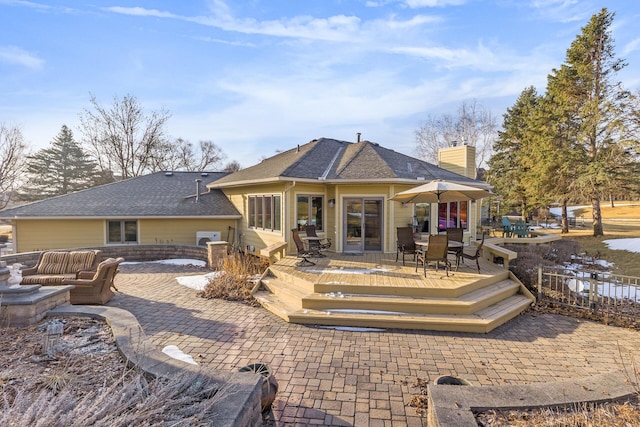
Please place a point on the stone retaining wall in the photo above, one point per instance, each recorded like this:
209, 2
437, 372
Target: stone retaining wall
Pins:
128, 252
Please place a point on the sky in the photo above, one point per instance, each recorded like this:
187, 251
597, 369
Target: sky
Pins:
261, 76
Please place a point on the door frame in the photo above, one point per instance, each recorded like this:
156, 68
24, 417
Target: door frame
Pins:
363, 230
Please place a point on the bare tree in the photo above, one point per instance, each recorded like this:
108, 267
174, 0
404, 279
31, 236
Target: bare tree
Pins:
122, 138
12, 156
232, 166
472, 125
181, 155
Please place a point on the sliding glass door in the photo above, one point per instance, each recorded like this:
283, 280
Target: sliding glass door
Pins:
362, 224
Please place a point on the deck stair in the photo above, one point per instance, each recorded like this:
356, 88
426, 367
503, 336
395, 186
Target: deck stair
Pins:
478, 303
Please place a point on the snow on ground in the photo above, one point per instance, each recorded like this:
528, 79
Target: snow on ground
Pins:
197, 282
631, 244
174, 352
176, 261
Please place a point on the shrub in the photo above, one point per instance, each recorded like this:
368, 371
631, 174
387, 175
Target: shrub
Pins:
239, 273
530, 257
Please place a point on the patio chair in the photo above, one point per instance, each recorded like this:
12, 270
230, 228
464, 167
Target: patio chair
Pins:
436, 251
507, 228
521, 229
322, 246
457, 235
405, 243
303, 253
476, 254
94, 287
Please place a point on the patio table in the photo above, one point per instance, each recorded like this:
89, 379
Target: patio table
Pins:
313, 243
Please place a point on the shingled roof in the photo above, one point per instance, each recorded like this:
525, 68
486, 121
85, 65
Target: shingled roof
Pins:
160, 194
331, 160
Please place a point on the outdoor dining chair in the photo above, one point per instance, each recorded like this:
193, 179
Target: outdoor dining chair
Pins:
436, 252
455, 234
303, 253
476, 255
405, 243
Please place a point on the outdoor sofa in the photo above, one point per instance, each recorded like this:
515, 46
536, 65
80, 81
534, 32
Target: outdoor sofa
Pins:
54, 267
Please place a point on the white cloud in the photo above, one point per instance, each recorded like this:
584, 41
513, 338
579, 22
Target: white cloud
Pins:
415, 4
16, 56
140, 11
561, 10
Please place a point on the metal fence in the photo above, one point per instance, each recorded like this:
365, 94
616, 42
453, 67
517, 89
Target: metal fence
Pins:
609, 294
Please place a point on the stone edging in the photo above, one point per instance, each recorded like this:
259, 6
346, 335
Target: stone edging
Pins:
453, 406
240, 402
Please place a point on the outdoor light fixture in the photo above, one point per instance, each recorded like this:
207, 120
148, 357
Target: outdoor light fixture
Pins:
332, 202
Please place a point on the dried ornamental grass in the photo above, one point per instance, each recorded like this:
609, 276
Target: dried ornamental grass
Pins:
236, 283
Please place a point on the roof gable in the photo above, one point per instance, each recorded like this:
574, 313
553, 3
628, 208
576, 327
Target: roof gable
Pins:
330, 159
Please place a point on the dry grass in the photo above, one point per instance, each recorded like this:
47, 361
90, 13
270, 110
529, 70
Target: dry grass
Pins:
237, 281
86, 382
582, 415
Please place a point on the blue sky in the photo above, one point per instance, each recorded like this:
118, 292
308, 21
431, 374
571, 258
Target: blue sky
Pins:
265, 75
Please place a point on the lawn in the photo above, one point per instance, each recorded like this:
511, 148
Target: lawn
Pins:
619, 222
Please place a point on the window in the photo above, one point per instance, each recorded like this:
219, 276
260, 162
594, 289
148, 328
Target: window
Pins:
264, 212
309, 211
122, 231
453, 215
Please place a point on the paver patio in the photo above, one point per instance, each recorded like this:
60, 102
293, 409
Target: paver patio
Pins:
342, 377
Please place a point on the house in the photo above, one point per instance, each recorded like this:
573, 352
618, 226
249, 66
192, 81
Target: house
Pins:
343, 188
163, 207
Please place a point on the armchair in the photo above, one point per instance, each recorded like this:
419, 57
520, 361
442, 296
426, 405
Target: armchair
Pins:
95, 287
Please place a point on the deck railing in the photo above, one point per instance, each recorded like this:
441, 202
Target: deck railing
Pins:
608, 294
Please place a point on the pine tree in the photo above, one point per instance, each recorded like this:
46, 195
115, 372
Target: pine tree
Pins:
508, 172
60, 169
589, 110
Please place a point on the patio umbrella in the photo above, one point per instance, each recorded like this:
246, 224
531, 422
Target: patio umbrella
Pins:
439, 191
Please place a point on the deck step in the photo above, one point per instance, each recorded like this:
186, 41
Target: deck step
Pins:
479, 281
466, 304
291, 293
482, 321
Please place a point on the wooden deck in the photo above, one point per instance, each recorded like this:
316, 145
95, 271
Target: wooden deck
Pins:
373, 290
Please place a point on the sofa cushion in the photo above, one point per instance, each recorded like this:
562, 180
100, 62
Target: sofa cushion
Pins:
80, 260
53, 263
46, 279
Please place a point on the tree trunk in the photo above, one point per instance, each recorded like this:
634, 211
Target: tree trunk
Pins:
565, 218
597, 218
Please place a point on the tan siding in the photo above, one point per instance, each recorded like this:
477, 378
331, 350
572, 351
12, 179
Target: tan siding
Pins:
33, 235
179, 231
461, 160
252, 237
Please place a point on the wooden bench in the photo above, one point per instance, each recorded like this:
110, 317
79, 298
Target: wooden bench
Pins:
270, 251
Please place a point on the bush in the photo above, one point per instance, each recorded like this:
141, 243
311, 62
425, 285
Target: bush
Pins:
530, 257
239, 273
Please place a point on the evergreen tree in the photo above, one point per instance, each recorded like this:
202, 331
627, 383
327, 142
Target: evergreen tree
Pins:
508, 172
589, 108
60, 169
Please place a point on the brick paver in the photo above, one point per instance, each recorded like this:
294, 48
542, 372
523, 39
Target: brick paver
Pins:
331, 376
